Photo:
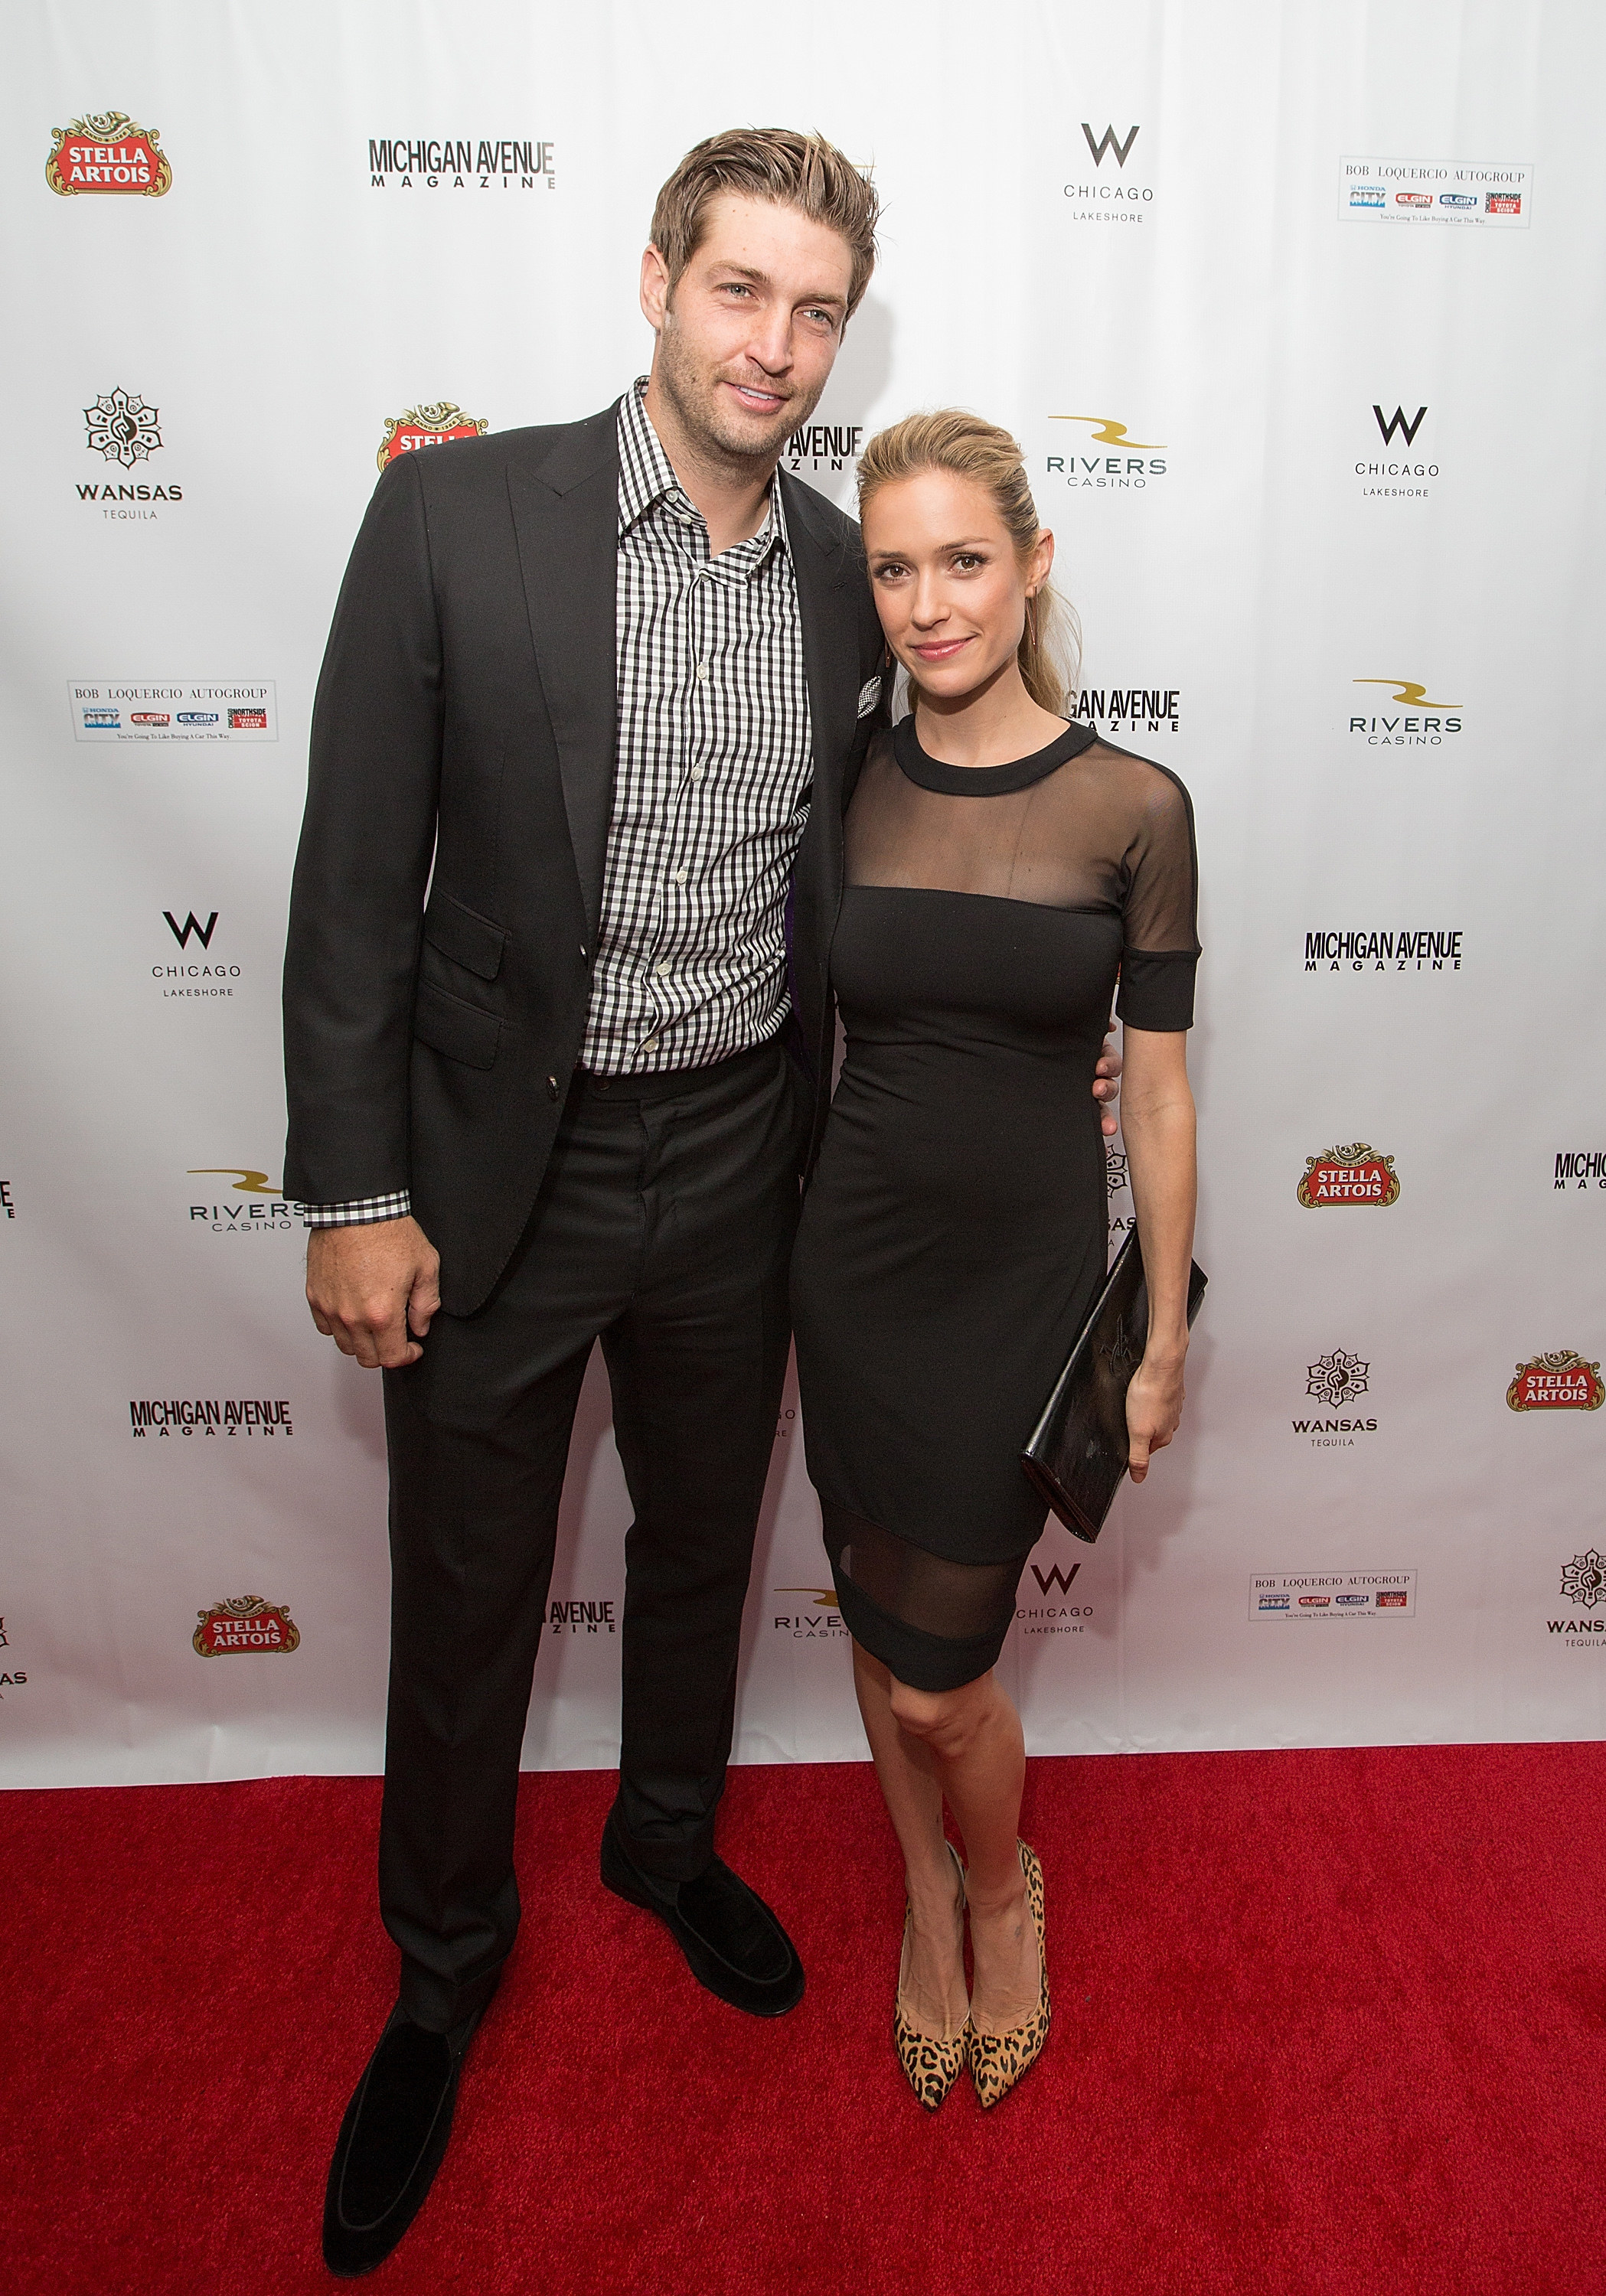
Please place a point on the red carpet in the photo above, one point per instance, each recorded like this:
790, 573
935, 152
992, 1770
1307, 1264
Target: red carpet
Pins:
1324, 2021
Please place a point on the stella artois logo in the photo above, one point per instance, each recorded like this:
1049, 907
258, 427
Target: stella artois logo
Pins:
1355, 1174
244, 1623
1561, 1381
105, 152
427, 426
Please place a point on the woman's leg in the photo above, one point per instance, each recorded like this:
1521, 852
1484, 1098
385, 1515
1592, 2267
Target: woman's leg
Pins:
934, 1985
973, 1755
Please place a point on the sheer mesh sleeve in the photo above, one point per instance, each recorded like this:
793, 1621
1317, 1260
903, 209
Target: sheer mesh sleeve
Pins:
1084, 825
1161, 946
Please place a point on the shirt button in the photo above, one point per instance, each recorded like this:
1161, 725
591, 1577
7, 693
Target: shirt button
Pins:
702, 671
696, 773
552, 1087
660, 969
651, 1044
681, 876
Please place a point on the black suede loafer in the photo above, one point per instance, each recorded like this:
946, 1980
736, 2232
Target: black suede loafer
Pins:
392, 2142
732, 1942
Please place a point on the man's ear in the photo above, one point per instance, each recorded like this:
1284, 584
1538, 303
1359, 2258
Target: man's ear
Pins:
655, 289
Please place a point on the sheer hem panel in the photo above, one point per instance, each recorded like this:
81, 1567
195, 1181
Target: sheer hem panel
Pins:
937, 1624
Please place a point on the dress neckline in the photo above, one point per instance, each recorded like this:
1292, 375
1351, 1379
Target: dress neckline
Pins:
982, 781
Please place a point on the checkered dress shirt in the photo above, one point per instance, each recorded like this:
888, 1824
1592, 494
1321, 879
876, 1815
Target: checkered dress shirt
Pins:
711, 774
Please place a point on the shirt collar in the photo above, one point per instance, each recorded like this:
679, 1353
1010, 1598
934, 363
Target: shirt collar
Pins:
646, 477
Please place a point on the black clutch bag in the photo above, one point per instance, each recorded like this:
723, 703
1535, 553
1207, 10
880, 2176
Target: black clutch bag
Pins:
1079, 1448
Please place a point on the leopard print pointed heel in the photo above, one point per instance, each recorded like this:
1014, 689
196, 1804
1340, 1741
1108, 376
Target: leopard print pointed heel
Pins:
998, 2059
932, 2066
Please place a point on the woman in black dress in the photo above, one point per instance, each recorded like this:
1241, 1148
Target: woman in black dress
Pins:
1003, 866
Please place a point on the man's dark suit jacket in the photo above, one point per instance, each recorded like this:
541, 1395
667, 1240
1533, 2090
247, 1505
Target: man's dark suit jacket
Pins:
463, 744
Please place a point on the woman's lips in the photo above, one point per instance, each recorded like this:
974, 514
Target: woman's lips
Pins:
940, 650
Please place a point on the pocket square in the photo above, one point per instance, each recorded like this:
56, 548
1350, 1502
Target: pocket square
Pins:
869, 693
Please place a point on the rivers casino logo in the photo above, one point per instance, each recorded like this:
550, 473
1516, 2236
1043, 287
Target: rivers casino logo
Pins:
1117, 463
1559, 1381
1355, 1174
244, 1622
105, 152
434, 425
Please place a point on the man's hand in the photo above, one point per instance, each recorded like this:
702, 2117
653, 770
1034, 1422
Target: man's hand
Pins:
1107, 1085
370, 1288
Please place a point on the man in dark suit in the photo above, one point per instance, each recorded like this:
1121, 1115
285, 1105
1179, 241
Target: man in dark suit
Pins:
558, 1041
557, 1044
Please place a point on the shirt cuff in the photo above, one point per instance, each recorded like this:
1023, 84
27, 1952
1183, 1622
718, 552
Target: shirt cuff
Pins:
361, 1211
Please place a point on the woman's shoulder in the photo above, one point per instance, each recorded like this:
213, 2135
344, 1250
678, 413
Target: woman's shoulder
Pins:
1151, 787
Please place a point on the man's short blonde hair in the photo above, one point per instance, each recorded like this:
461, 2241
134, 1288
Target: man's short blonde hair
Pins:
776, 164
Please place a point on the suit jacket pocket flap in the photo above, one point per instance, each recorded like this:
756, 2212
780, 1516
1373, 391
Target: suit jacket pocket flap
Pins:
468, 939
450, 1025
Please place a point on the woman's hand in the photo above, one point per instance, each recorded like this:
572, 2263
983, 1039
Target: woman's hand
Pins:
1154, 1408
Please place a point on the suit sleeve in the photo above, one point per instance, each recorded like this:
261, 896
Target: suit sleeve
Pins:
362, 866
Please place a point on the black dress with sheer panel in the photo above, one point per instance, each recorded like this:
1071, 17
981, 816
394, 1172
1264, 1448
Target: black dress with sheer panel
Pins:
955, 1231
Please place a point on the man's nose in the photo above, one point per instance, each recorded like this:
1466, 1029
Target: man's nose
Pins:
769, 344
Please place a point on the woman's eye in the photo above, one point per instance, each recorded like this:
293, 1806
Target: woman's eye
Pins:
890, 571
968, 559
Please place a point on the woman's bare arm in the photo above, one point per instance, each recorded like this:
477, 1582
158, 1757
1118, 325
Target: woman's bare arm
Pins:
1157, 1125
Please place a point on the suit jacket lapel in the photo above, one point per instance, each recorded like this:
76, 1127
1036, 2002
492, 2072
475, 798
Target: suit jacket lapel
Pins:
565, 513
828, 607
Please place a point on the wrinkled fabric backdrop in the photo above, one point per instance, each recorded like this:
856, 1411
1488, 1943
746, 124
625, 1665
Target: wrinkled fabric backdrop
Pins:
1295, 308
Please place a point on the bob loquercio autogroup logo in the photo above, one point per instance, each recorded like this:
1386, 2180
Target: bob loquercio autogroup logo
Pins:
105, 152
435, 423
1354, 1175
1559, 1381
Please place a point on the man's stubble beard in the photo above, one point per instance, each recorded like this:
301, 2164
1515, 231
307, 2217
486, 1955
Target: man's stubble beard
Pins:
694, 397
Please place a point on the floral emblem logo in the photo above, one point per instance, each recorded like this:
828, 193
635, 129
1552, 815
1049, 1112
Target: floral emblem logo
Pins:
122, 427
1560, 1381
243, 1622
1583, 1579
105, 152
427, 426
1337, 1378
1115, 1176
1355, 1174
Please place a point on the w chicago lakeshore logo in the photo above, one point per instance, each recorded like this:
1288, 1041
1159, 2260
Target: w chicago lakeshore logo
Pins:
1389, 472
1103, 188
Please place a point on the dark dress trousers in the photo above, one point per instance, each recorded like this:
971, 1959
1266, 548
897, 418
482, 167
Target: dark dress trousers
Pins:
444, 913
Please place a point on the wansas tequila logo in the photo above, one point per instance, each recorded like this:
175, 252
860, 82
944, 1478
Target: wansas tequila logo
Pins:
1559, 1381
244, 1622
123, 431
1415, 722
435, 424
1336, 1379
1355, 1174
1102, 457
106, 151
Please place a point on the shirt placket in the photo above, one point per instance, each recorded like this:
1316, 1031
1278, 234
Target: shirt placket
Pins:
677, 891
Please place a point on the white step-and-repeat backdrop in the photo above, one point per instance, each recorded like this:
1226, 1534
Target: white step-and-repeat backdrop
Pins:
1295, 307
